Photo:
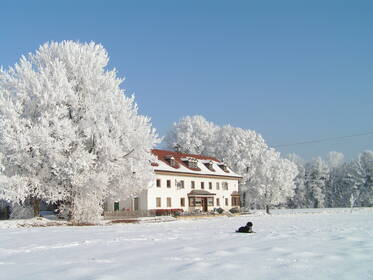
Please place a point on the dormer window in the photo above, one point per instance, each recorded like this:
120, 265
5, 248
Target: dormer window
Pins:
209, 165
171, 160
224, 167
190, 162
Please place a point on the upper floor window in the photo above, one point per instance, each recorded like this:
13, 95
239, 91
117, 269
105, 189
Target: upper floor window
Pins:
168, 183
210, 185
171, 160
209, 165
180, 184
223, 167
158, 183
224, 185
202, 185
190, 162
217, 186
193, 184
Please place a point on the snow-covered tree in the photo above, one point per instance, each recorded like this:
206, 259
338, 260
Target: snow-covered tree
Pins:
359, 179
267, 179
335, 162
316, 176
335, 159
68, 132
273, 181
299, 199
192, 135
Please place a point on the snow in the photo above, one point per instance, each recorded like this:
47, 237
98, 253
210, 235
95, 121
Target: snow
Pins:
203, 169
307, 244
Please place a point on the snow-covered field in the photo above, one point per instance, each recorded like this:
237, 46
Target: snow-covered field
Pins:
317, 244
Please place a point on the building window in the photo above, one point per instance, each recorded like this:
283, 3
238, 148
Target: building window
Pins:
136, 204
224, 186
235, 201
226, 202
180, 184
217, 202
210, 185
197, 201
168, 201
202, 185
217, 186
182, 202
191, 201
193, 184
210, 201
168, 183
158, 183
192, 163
116, 206
158, 202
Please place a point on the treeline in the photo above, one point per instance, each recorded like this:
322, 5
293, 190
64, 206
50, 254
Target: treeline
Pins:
333, 182
271, 180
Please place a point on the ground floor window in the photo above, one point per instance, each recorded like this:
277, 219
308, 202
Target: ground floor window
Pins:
168, 201
158, 202
116, 206
235, 201
195, 201
210, 201
136, 204
226, 202
182, 202
217, 202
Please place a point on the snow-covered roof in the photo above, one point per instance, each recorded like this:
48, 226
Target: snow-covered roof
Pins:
163, 164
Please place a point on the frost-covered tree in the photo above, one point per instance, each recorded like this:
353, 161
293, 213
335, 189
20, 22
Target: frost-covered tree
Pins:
316, 176
359, 180
299, 199
335, 162
68, 133
273, 180
191, 135
267, 179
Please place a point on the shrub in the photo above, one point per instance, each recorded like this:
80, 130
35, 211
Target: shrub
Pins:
234, 210
220, 210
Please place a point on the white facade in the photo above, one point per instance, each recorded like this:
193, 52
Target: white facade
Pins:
207, 185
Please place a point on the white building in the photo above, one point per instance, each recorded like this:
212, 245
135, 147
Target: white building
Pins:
185, 181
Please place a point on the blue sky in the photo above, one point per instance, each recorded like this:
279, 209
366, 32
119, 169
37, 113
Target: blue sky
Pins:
291, 70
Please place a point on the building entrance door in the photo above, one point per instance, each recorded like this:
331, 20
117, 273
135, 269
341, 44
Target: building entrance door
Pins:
204, 204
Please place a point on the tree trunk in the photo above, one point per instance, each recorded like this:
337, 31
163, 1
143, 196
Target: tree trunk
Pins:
267, 209
36, 206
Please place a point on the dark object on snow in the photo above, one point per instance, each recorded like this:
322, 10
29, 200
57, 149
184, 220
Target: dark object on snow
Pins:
247, 228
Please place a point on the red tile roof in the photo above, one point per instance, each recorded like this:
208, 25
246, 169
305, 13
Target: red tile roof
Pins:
162, 155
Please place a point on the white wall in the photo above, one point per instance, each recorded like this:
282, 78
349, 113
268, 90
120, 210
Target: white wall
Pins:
176, 193
147, 198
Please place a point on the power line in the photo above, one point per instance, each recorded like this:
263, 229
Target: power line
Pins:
323, 140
